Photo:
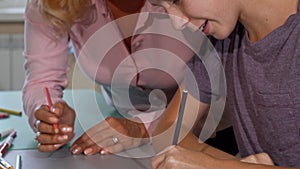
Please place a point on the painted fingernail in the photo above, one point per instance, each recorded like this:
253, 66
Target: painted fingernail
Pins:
63, 138
103, 152
55, 111
76, 150
52, 109
67, 129
57, 145
88, 151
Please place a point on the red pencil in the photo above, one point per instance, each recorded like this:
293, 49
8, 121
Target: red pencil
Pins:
7, 143
4, 115
55, 125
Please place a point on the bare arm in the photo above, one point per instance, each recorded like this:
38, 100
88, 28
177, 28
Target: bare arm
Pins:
191, 153
179, 157
194, 110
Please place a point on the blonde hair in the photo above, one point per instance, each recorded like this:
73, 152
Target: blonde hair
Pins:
62, 14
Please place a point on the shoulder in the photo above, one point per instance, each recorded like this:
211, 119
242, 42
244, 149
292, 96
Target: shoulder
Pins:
32, 13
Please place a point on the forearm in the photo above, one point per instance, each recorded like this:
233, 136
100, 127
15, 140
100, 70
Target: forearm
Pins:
223, 159
164, 131
191, 142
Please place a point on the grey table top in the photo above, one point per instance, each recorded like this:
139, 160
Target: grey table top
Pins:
63, 159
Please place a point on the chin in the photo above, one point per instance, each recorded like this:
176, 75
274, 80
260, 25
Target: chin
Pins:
221, 36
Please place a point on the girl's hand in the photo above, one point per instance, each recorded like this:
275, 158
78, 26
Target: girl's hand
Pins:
110, 136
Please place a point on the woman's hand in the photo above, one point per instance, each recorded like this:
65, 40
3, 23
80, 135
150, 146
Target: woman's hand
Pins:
64, 116
110, 136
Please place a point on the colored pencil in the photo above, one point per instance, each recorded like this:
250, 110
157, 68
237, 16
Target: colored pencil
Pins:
180, 116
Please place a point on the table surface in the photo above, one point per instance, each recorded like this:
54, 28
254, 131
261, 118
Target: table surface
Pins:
63, 159
82, 101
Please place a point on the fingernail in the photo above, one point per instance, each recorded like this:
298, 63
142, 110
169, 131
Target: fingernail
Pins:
55, 111
76, 150
63, 138
88, 151
102, 152
57, 145
67, 129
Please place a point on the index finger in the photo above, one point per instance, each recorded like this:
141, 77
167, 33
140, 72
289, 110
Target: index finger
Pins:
44, 114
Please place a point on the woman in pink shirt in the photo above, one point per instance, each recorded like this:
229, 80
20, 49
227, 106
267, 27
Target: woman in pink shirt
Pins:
49, 27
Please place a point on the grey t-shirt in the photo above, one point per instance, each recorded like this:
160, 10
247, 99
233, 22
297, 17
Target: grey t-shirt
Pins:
263, 91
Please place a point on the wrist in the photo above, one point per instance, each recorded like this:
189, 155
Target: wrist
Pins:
143, 130
144, 134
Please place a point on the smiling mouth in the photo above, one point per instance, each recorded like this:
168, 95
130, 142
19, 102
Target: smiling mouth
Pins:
202, 27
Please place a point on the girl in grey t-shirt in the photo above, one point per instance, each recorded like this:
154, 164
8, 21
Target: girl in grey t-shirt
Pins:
261, 61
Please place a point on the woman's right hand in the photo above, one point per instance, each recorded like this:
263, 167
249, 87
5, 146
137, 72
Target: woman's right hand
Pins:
49, 139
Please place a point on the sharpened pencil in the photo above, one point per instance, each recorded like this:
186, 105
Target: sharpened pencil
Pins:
180, 116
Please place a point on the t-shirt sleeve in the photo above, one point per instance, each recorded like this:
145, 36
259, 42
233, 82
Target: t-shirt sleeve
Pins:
197, 83
205, 78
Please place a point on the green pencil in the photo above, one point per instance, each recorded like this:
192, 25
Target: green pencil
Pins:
18, 113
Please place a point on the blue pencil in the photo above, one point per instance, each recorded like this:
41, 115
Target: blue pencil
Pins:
180, 116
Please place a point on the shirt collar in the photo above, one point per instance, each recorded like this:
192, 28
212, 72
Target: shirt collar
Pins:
148, 8
102, 6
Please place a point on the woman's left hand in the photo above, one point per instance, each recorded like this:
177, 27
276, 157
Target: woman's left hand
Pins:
110, 136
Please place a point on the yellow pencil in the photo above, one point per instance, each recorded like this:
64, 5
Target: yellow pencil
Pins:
19, 113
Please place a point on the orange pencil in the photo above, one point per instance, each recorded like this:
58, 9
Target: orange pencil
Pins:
55, 125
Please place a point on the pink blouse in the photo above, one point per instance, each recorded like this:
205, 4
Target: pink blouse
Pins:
100, 51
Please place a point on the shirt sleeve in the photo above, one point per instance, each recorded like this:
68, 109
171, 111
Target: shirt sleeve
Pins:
46, 62
206, 80
199, 87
